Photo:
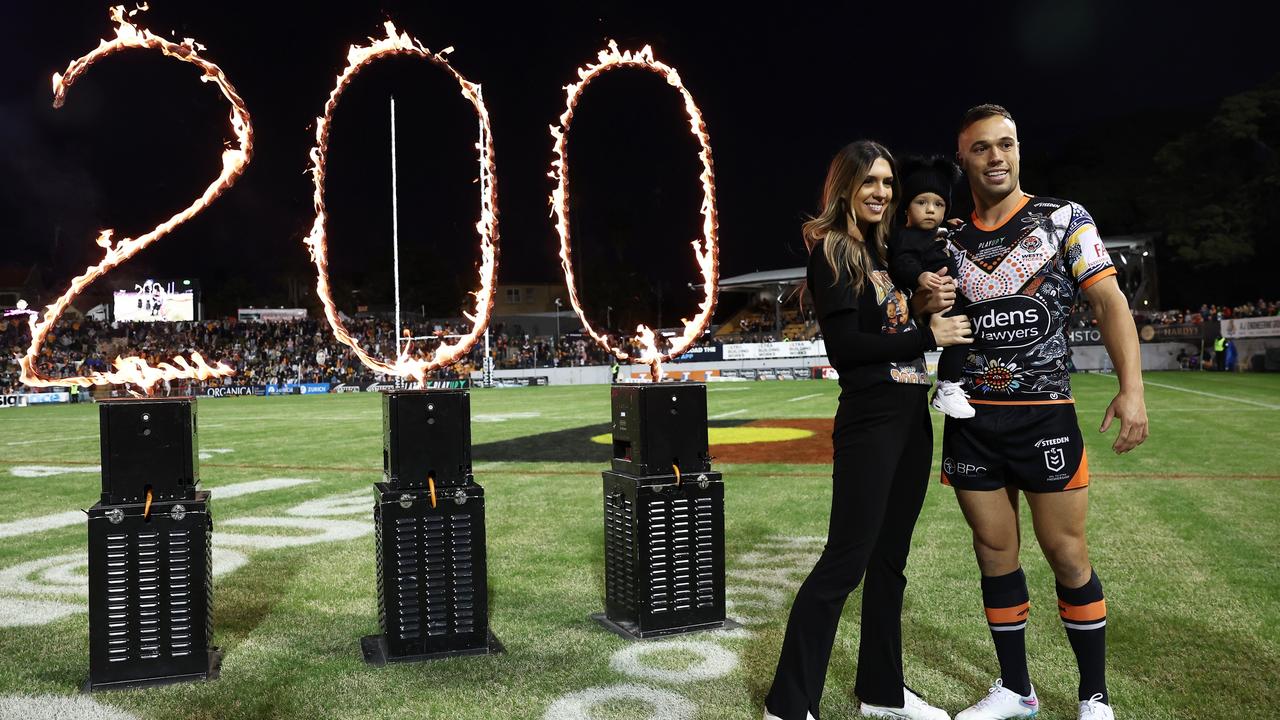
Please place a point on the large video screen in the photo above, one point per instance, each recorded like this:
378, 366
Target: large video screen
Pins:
156, 301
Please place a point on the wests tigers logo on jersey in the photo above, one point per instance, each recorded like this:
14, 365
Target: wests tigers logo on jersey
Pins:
1012, 321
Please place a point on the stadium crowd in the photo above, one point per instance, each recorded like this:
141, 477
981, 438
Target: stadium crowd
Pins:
305, 351
301, 351
1083, 316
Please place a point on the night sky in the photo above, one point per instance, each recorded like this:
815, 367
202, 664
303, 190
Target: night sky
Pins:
781, 90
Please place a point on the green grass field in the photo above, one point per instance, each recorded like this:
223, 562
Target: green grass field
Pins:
1185, 533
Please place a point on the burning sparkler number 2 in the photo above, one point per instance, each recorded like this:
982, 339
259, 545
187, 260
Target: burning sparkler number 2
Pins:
234, 159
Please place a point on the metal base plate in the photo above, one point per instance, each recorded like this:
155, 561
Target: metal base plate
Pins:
215, 668
629, 631
374, 649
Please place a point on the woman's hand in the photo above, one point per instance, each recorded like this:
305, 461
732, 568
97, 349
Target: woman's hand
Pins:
948, 331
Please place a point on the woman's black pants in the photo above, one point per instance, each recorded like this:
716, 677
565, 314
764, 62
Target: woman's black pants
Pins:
883, 443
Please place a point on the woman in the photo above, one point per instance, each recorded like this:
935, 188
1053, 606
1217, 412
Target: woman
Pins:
883, 445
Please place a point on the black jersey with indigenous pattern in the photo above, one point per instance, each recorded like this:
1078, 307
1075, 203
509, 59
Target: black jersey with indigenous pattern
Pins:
1019, 280
882, 309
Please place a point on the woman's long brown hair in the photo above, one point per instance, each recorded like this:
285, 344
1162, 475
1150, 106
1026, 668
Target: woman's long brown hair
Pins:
849, 168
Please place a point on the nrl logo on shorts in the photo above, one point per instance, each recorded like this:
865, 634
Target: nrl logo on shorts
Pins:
1054, 459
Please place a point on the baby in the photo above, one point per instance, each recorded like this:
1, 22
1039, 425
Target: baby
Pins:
919, 258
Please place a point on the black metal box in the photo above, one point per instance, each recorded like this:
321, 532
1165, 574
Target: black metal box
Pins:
148, 443
664, 553
433, 591
150, 593
426, 433
657, 426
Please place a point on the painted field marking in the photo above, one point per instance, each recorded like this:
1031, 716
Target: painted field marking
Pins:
724, 389
581, 705
503, 417
805, 397
1268, 406
727, 414
714, 661
28, 526
39, 471
52, 707
50, 439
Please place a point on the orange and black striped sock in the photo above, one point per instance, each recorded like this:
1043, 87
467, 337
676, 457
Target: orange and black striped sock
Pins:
1084, 615
1007, 605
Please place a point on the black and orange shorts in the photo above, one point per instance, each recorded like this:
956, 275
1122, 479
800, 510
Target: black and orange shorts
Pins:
1035, 447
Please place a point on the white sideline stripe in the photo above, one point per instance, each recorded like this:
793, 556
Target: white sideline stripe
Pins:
49, 439
727, 414
805, 397
1268, 406
28, 526
724, 389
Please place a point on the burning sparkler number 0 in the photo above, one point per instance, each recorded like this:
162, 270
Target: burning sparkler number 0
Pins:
235, 159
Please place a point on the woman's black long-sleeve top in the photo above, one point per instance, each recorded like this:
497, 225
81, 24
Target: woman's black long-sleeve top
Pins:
870, 335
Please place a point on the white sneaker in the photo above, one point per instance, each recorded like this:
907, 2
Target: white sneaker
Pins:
913, 708
1001, 703
770, 716
1095, 709
951, 400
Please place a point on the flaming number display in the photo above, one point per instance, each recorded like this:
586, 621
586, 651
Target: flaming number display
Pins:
359, 57
705, 250
234, 159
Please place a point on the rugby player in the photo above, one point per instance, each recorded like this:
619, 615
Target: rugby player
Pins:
1021, 262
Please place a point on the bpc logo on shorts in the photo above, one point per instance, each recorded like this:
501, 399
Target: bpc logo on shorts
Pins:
963, 469
1054, 459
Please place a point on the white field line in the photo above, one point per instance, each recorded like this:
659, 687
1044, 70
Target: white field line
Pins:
725, 389
1268, 406
805, 397
28, 526
727, 414
50, 439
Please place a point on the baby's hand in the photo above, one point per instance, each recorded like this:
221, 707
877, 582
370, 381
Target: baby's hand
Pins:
933, 281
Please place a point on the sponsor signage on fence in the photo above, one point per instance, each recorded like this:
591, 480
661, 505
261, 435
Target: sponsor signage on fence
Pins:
298, 389
1147, 333
1171, 333
457, 384
1251, 327
48, 397
770, 350
509, 382
235, 390
795, 373
702, 353
13, 401
271, 314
